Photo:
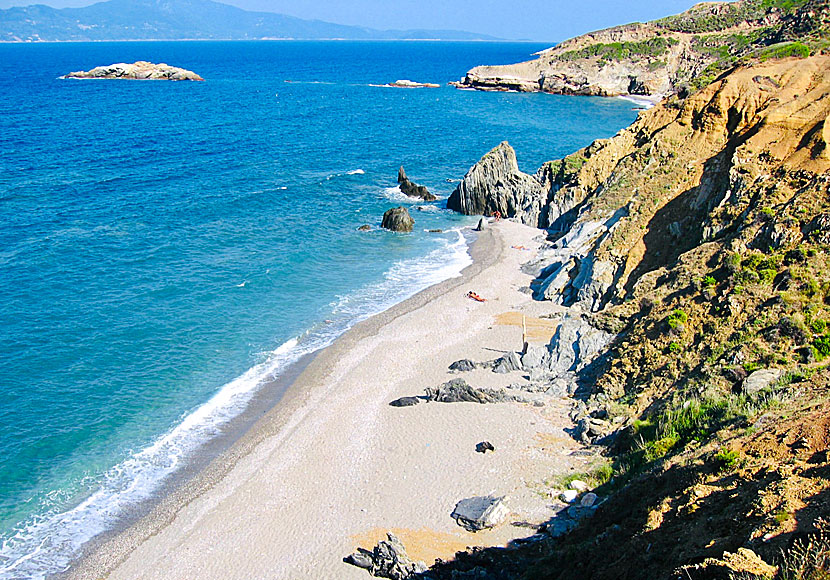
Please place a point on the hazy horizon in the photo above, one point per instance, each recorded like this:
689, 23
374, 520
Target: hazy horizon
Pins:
520, 20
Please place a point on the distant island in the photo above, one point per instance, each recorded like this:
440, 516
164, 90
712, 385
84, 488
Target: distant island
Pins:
186, 20
139, 70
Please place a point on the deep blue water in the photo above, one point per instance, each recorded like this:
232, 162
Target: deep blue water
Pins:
165, 247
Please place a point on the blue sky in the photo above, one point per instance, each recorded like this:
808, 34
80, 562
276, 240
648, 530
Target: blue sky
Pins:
544, 20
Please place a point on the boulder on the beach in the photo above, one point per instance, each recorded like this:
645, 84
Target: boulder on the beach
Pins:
411, 189
458, 391
482, 225
463, 365
398, 219
139, 70
477, 513
387, 560
405, 402
484, 447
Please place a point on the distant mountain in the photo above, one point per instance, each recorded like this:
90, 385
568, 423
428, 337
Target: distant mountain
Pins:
185, 19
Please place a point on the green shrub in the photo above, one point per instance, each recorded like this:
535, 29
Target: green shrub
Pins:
677, 318
674, 348
767, 275
727, 458
785, 50
818, 326
709, 281
822, 346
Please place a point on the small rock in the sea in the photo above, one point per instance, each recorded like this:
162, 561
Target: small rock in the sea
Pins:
411, 189
579, 485
364, 228
569, 495
405, 402
463, 365
588, 500
436, 231
139, 70
484, 447
477, 513
398, 219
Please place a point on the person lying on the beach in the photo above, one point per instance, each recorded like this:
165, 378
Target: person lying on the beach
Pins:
475, 296
519, 248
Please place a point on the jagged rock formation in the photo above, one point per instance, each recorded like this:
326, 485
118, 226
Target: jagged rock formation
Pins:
139, 70
397, 219
413, 189
495, 184
661, 57
387, 560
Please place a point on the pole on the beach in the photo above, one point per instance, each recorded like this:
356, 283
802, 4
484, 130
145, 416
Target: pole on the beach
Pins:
524, 335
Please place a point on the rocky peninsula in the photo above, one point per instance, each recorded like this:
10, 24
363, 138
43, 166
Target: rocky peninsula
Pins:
654, 59
139, 70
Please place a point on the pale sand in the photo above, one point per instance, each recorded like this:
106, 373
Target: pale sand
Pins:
333, 466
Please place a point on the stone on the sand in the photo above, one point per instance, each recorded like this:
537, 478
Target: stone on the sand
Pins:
387, 560
760, 380
477, 513
398, 219
484, 447
588, 500
139, 70
579, 485
482, 225
569, 495
405, 402
411, 189
463, 365
508, 363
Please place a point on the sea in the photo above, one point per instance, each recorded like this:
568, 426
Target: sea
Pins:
169, 249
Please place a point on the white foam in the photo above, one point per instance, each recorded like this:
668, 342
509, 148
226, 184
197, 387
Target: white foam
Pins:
48, 543
640, 102
355, 172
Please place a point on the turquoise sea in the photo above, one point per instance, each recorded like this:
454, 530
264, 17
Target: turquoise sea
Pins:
167, 248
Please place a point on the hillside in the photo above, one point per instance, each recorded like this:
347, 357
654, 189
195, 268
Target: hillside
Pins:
678, 53
699, 237
185, 19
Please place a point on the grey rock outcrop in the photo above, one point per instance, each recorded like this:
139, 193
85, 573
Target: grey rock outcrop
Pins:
508, 363
574, 345
761, 379
139, 70
463, 365
397, 219
387, 560
458, 391
495, 184
411, 189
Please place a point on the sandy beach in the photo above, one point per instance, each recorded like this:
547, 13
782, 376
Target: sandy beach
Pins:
334, 466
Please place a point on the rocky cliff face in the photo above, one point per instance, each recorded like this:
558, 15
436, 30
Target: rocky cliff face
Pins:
698, 239
661, 57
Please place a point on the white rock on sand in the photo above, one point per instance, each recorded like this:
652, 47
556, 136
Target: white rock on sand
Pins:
334, 466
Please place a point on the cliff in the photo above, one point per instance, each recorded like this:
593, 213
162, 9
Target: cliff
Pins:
697, 238
658, 58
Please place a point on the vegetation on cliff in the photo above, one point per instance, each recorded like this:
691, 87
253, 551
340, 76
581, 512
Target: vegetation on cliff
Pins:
715, 251
674, 54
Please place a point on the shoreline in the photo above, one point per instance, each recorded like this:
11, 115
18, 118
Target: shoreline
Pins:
305, 402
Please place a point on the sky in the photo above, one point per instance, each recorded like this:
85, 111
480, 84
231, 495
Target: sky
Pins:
542, 20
